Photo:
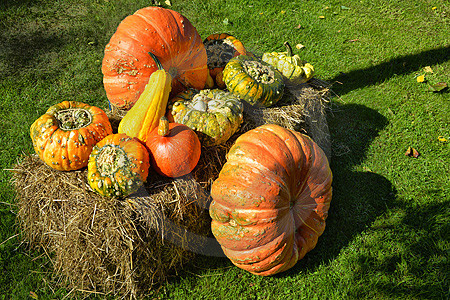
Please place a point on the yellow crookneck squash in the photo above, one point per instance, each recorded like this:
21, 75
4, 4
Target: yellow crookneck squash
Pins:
144, 116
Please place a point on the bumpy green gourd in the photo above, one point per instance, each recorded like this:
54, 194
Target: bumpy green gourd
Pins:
118, 166
214, 114
253, 80
291, 66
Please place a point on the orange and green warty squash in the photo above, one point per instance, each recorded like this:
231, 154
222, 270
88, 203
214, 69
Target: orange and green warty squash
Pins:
64, 136
253, 80
220, 48
291, 66
174, 149
271, 199
167, 34
118, 166
215, 114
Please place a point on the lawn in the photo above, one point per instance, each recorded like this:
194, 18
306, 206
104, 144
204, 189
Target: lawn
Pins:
387, 234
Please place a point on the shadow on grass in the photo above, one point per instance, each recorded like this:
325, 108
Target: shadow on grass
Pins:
5, 4
420, 269
401, 255
358, 197
45, 48
400, 65
22, 52
383, 245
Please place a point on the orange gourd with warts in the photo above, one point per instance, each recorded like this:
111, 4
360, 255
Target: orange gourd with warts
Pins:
64, 136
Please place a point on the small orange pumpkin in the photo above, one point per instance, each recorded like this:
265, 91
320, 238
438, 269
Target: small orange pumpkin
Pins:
174, 149
64, 136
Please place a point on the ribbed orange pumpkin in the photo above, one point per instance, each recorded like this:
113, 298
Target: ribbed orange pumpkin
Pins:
167, 34
271, 199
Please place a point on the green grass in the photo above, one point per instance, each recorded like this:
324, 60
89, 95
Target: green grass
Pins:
387, 234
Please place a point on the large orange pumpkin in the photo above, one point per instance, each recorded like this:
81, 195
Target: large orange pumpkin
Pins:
167, 34
271, 199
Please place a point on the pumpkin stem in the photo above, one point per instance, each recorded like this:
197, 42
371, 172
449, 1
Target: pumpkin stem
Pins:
158, 63
289, 48
163, 127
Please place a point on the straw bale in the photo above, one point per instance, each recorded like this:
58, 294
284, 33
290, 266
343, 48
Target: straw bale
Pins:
102, 245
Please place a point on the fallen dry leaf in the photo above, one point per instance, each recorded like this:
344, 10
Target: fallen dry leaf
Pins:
437, 87
411, 152
428, 69
299, 26
299, 46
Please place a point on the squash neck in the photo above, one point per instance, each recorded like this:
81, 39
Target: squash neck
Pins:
288, 48
158, 63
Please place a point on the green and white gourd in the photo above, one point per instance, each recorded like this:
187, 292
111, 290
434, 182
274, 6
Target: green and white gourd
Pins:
291, 66
214, 114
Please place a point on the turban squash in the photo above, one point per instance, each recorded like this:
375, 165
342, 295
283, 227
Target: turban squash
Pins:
253, 80
167, 34
118, 165
291, 66
214, 114
64, 136
271, 199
